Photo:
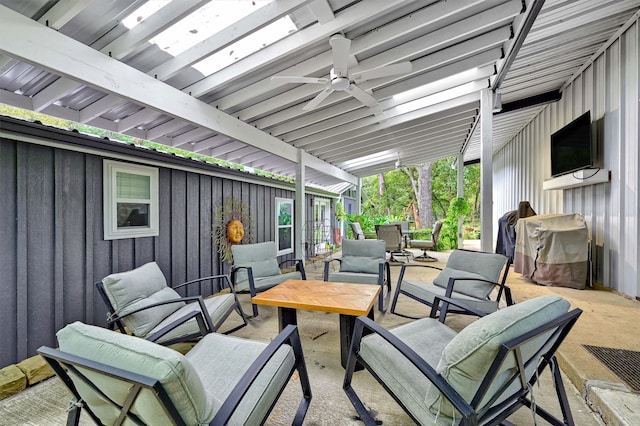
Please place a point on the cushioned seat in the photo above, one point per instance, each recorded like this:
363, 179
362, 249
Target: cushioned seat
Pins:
255, 269
477, 376
141, 301
116, 374
363, 262
469, 277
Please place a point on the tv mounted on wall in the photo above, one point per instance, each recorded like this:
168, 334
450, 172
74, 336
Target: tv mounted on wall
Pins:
572, 147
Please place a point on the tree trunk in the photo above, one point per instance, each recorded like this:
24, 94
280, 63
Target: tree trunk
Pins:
425, 204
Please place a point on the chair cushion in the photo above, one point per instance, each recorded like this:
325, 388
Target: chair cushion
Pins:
233, 356
428, 338
478, 289
360, 264
468, 356
135, 289
176, 374
489, 265
428, 292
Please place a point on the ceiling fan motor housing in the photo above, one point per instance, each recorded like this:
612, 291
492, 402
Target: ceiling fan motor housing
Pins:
339, 82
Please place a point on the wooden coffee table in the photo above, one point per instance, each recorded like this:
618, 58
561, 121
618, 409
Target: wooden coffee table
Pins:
348, 300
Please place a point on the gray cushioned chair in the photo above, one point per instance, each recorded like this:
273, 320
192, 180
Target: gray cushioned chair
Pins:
363, 262
120, 379
469, 277
255, 268
141, 301
479, 376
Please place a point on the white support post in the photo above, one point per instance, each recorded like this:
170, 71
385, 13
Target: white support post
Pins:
300, 206
486, 170
460, 162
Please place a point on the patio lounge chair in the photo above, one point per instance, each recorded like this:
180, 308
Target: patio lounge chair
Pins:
363, 262
141, 301
394, 241
479, 376
425, 245
469, 277
255, 268
119, 379
356, 229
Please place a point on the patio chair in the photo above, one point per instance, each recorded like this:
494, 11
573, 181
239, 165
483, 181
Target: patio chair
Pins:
119, 379
469, 277
394, 241
431, 244
255, 269
363, 262
479, 376
141, 301
356, 229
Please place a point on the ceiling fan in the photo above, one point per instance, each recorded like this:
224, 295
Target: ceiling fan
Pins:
341, 80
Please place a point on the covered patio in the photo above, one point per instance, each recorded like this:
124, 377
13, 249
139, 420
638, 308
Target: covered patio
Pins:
596, 394
361, 87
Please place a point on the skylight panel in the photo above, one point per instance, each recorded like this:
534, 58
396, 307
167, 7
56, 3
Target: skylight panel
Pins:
246, 46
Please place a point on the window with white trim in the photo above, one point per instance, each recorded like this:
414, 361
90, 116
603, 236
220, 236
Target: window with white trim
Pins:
284, 225
130, 200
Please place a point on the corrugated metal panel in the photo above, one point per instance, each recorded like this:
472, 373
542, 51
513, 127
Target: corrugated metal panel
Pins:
610, 89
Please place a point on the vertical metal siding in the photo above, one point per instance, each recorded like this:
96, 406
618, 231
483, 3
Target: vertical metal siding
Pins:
609, 88
51, 238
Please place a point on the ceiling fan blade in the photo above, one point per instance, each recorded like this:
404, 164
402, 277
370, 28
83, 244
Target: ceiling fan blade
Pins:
294, 79
313, 103
341, 47
362, 96
394, 69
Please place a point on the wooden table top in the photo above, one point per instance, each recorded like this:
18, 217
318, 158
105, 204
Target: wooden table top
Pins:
315, 295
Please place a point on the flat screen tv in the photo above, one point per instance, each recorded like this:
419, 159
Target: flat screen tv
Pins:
572, 146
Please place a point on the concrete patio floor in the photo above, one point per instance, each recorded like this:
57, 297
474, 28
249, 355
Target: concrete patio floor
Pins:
608, 320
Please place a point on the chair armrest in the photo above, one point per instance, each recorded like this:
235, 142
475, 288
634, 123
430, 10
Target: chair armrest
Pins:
327, 263
427, 370
414, 265
167, 328
188, 299
452, 282
299, 266
446, 301
224, 278
288, 335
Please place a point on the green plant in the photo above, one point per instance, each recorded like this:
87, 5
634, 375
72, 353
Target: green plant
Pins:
459, 207
340, 214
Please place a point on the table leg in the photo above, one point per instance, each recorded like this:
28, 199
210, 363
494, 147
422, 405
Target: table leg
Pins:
287, 316
347, 323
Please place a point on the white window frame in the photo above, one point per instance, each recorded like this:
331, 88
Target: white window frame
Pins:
279, 202
110, 201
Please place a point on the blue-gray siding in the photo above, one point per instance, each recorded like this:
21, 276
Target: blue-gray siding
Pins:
51, 237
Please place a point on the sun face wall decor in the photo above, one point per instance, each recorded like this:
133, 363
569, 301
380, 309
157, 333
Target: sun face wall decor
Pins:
231, 225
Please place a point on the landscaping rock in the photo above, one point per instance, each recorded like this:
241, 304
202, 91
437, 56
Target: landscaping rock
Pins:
12, 381
35, 369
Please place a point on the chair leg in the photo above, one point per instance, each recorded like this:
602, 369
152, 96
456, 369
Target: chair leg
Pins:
562, 394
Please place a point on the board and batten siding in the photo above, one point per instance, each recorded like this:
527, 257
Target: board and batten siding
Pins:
51, 238
609, 88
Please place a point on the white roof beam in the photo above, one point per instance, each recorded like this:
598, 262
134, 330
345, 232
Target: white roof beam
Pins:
190, 137
62, 12
135, 119
99, 107
227, 36
294, 43
322, 11
71, 59
53, 92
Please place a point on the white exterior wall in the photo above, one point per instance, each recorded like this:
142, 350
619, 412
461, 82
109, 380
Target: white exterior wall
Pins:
609, 87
